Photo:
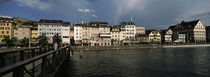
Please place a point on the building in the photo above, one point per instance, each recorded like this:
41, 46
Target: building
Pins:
166, 36
86, 34
179, 38
115, 35
100, 27
71, 36
34, 35
195, 31
140, 30
142, 38
122, 34
130, 29
24, 31
6, 28
52, 27
65, 33
208, 34
104, 39
154, 36
77, 34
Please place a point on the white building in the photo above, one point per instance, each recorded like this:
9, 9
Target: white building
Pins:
78, 33
65, 33
179, 38
166, 36
51, 28
130, 29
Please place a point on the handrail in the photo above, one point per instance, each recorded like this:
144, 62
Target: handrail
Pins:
12, 51
10, 68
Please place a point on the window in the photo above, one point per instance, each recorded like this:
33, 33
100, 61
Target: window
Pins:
65, 36
7, 32
2, 32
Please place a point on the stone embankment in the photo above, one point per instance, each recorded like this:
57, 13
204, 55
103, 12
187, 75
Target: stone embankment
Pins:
98, 48
186, 46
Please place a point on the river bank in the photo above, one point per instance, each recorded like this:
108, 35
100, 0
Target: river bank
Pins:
186, 46
98, 48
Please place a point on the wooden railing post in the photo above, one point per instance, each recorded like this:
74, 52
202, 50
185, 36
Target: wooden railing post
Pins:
19, 72
2, 60
43, 66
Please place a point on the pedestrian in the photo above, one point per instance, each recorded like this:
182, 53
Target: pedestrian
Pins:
55, 46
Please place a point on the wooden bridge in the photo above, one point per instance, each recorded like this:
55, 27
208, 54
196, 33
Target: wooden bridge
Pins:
33, 62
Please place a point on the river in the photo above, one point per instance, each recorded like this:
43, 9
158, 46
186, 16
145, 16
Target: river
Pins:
165, 62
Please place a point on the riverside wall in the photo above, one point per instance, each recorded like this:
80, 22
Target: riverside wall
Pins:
186, 46
98, 48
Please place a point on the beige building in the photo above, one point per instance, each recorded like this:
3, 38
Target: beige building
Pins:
115, 35
28, 30
71, 33
86, 34
22, 32
122, 34
140, 30
154, 36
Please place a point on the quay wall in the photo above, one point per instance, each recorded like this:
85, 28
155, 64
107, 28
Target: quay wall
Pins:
186, 46
98, 48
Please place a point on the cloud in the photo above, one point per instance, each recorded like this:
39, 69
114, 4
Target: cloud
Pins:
94, 15
34, 4
125, 6
5, 16
85, 10
149, 13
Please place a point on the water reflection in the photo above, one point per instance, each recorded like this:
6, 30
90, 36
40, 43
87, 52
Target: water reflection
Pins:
172, 62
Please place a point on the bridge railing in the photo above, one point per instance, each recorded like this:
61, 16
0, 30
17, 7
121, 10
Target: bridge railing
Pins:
14, 56
42, 65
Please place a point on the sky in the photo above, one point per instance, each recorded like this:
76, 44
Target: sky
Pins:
152, 14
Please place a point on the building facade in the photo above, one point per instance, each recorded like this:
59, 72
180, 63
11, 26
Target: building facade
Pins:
208, 34
195, 31
140, 30
34, 35
86, 34
166, 36
154, 36
104, 39
6, 28
115, 35
24, 31
142, 38
65, 33
179, 38
51, 28
77, 34
130, 29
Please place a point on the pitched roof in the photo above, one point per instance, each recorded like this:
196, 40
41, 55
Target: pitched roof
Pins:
149, 31
127, 23
189, 24
50, 21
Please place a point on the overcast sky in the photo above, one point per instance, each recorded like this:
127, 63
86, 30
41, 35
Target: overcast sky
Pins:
152, 14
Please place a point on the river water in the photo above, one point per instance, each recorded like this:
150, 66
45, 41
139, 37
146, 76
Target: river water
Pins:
170, 62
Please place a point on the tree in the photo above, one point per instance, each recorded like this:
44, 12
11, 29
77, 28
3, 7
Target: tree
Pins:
42, 40
15, 41
8, 41
57, 39
24, 41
